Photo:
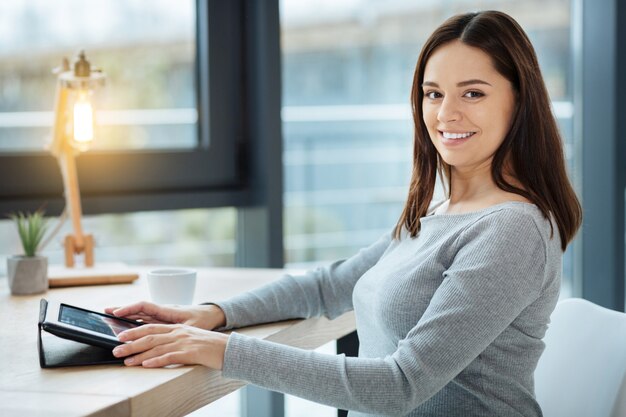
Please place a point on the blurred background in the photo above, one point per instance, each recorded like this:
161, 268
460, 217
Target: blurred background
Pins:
347, 131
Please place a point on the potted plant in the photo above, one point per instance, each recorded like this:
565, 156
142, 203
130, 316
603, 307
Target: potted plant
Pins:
28, 273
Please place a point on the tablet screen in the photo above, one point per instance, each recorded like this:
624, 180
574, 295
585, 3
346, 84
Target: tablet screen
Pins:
93, 321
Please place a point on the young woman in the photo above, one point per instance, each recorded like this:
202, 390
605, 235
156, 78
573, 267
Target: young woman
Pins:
450, 306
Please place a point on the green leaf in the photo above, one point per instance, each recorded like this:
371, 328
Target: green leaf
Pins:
31, 228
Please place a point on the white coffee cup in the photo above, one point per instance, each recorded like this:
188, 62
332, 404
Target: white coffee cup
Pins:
172, 285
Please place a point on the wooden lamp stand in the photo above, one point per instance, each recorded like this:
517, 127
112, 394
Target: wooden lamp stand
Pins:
73, 132
78, 242
70, 84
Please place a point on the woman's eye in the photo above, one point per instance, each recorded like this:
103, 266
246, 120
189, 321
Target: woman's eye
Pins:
473, 94
432, 95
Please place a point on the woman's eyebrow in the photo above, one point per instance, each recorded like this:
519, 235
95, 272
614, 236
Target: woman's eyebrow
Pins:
460, 84
472, 81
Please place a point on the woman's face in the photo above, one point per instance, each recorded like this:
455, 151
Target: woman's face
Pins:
467, 106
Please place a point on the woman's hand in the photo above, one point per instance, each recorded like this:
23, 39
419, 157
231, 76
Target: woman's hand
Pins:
157, 345
207, 317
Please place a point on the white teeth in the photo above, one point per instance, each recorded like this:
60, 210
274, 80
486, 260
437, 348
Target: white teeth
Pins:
448, 135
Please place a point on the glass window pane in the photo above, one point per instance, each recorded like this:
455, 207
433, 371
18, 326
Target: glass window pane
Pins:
145, 47
195, 237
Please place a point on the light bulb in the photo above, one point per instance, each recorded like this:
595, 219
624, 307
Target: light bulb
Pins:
83, 120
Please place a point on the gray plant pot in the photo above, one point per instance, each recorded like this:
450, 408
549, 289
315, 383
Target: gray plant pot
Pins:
27, 274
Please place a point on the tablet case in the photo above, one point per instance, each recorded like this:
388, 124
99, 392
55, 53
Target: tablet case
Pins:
56, 352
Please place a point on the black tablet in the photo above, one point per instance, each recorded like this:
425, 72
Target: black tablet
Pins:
85, 326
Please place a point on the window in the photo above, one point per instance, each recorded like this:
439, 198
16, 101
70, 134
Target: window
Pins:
193, 237
168, 133
148, 54
160, 145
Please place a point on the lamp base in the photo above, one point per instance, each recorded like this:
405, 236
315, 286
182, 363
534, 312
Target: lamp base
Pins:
71, 249
104, 273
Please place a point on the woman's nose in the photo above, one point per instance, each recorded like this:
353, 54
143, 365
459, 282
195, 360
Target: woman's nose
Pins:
449, 111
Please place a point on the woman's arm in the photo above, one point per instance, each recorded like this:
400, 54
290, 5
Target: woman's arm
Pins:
324, 291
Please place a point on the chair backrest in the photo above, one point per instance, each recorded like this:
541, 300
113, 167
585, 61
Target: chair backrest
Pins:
582, 370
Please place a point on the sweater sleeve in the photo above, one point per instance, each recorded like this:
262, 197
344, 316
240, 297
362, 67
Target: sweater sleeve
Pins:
324, 291
497, 271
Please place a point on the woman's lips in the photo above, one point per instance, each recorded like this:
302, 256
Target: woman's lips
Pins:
454, 141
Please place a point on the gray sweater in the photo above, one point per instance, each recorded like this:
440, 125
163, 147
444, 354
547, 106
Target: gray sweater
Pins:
450, 322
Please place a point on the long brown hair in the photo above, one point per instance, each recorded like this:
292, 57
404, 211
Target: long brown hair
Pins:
532, 148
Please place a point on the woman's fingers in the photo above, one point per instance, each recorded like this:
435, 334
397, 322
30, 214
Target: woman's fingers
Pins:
146, 319
142, 339
169, 358
156, 351
150, 341
149, 312
139, 316
145, 330
142, 307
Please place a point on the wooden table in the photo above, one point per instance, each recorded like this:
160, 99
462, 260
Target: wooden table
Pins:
114, 390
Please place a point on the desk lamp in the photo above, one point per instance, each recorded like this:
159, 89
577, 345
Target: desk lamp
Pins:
72, 134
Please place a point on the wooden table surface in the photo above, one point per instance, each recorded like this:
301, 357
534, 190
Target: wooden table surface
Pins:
115, 390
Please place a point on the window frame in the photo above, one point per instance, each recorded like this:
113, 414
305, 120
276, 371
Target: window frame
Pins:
603, 151
209, 175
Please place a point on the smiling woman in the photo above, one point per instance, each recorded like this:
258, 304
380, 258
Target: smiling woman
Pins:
483, 121
452, 304
467, 119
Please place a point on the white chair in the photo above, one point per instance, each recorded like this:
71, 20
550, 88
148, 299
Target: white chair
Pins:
582, 371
